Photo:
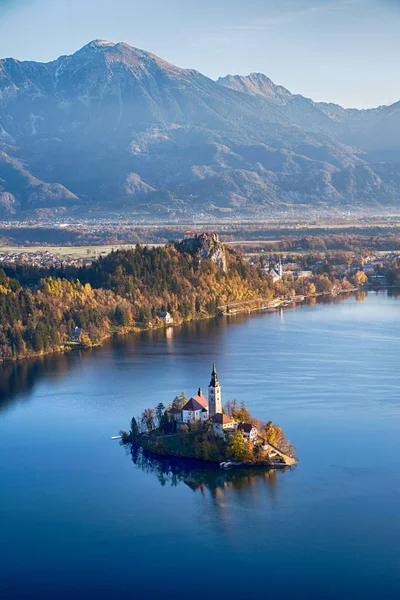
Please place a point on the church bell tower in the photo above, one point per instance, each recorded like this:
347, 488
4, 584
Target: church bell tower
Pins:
214, 394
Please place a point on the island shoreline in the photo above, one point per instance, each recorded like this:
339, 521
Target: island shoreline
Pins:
208, 464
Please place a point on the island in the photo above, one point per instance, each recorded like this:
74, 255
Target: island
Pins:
203, 429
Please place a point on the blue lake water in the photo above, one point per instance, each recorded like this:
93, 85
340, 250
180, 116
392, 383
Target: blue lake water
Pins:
78, 519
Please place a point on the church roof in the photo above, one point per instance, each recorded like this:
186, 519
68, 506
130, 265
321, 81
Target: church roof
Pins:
193, 405
200, 399
222, 419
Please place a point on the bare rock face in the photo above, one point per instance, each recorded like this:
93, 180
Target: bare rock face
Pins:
8, 204
206, 244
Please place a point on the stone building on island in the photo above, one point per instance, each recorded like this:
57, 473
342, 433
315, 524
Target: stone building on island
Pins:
249, 431
200, 410
195, 409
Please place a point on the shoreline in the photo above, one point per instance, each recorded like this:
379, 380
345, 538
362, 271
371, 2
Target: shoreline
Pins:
270, 306
211, 465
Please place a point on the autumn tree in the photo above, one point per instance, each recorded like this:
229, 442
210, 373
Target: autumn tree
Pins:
180, 401
237, 447
359, 278
148, 419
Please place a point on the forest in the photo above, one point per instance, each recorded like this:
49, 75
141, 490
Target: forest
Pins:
126, 290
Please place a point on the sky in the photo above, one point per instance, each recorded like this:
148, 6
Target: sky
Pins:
343, 51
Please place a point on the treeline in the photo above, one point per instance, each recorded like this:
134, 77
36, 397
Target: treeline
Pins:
128, 289
350, 242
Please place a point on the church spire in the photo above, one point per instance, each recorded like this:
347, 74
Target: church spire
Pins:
214, 394
214, 377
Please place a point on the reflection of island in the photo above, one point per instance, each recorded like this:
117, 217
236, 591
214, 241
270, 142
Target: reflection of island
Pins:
200, 476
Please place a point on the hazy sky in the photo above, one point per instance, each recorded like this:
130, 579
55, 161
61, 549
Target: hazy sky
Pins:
344, 51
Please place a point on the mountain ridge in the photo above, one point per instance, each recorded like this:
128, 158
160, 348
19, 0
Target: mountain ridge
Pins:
119, 129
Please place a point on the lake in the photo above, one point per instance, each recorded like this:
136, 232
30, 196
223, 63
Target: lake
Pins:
81, 518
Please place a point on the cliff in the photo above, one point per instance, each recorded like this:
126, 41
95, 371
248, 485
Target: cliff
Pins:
206, 245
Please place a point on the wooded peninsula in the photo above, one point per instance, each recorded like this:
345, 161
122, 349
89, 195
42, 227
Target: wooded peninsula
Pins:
128, 290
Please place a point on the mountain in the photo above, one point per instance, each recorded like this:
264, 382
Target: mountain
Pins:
257, 84
116, 129
376, 131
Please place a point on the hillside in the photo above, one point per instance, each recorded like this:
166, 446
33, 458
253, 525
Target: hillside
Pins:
116, 129
126, 290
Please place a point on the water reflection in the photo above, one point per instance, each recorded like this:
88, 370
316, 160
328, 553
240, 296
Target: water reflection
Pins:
361, 295
391, 292
18, 378
203, 477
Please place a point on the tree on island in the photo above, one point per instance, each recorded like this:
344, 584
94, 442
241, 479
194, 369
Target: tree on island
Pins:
276, 437
238, 413
134, 428
160, 413
179, 401
237, 447
148, 419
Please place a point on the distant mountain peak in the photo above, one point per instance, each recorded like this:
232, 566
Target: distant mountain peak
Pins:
136, 59
99, 44
256, 84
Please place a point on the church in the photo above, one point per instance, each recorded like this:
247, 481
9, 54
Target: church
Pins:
201, 409
198, 407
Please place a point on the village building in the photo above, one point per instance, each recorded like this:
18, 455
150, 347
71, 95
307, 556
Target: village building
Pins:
250, 432
222, 424
76, 335
166, 317
275, 272
275, 277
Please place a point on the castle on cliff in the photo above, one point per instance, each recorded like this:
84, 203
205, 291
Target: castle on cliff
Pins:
204, 246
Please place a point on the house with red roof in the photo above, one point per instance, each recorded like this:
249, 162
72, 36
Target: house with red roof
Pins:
222, 424
195, 409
